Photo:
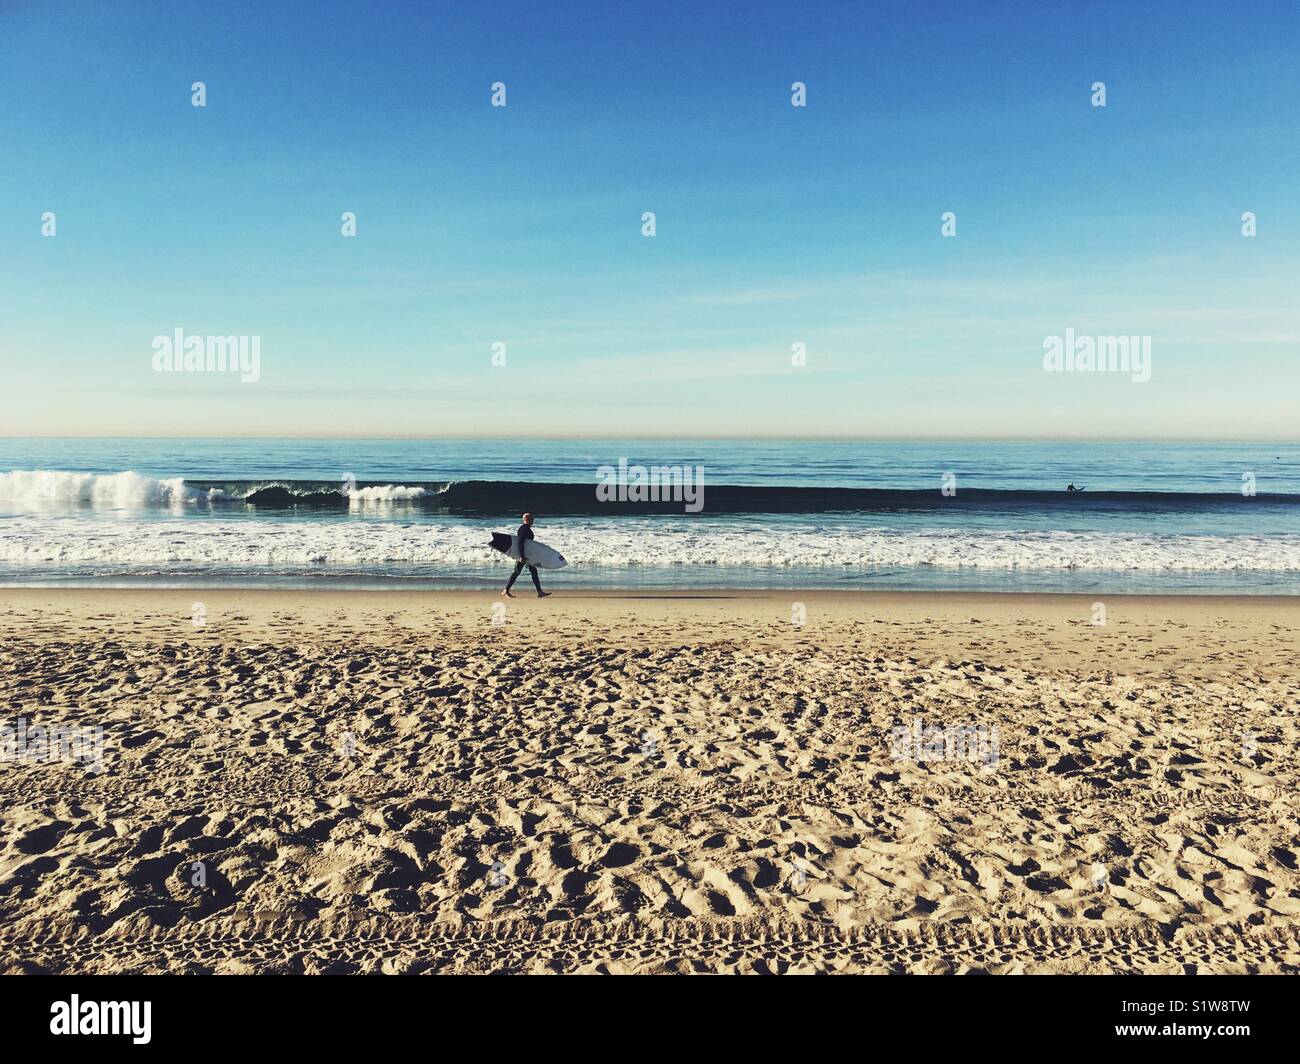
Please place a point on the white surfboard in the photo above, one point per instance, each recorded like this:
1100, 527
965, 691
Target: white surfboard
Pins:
539, 554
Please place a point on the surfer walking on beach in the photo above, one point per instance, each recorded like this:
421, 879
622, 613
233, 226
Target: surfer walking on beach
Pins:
524, 534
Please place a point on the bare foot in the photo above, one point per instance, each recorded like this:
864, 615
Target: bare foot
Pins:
543, 594
507, 593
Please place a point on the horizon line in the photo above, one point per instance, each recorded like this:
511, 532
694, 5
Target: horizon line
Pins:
794, 437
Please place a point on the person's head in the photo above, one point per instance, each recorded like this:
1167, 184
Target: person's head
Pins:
528, 519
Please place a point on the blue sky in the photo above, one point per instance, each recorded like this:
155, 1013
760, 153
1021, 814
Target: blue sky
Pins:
776, 225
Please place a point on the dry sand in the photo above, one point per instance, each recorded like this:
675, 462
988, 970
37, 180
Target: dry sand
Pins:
359, 781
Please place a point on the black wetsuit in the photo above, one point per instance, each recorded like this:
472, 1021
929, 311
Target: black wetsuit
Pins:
524, 534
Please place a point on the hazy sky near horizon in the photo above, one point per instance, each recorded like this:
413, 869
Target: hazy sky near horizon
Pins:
776, 225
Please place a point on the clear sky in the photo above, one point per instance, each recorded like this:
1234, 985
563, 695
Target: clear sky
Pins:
776, 225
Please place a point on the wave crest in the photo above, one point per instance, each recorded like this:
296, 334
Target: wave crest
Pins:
498, 498
114, 491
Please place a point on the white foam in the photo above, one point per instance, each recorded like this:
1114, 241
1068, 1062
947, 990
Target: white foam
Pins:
41, 487
49, 489
383, 495
40, 539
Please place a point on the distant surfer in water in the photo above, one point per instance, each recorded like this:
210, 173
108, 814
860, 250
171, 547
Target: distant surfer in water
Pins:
1071, 487
525, 533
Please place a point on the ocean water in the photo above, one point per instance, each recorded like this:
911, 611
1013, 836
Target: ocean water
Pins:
1154, 517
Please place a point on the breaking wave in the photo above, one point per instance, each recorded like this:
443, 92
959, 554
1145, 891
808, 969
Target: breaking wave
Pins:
495, 498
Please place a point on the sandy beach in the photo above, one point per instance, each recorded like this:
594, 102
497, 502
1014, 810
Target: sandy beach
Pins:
335, 781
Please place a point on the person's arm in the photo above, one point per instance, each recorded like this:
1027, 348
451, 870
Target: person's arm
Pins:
525, 534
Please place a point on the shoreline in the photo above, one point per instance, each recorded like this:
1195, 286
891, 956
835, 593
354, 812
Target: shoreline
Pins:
601, 593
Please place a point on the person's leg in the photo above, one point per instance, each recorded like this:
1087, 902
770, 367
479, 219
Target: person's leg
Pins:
536, 582
519, 568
